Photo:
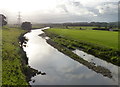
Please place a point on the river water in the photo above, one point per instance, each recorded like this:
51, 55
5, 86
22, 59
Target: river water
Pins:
61, 69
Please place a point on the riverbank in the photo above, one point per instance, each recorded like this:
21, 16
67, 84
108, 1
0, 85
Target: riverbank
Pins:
15, 69
62, 69
109, 54
98, 69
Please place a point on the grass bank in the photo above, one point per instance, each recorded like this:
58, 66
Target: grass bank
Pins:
98, 69
14, 60
102, 44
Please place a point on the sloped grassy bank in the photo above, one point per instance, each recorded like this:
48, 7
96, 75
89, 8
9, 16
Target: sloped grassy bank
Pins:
105, 53
15, 70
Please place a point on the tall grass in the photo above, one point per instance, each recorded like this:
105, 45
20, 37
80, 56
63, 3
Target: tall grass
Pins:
11, 59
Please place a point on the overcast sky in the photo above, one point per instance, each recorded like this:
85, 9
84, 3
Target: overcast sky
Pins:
57, 11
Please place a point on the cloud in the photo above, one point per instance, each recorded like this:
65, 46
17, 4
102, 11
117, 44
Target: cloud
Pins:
63, 7
106, 12
77, 4
61, 10
76, 8
108, 9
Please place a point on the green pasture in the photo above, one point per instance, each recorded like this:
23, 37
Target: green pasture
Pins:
102, 38
82, 27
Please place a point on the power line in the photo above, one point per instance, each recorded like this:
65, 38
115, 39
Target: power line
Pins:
19, 19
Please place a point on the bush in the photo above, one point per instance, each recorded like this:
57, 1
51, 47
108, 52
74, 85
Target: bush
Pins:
26, 25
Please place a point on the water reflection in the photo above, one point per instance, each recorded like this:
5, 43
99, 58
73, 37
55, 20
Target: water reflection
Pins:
59, 68
97, 61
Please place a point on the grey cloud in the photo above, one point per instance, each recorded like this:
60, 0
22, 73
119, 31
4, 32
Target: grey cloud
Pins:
108, 8
77, 4
107, 11
70, 3
71, 11
76, 8
63, 7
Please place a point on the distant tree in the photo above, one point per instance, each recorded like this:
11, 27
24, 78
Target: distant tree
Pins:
66, 27
26, 25
2, 20
106, 25
99, 26
111, 26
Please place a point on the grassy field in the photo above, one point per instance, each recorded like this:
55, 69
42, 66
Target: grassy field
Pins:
11, 58
103, 38
82, 27
87, 27
102, 44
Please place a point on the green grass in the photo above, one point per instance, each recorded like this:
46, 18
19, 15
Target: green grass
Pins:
11, 59
102, 44
102, 38
83, 27
37, 27
87, 27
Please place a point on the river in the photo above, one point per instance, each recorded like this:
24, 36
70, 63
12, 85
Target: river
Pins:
60, 69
